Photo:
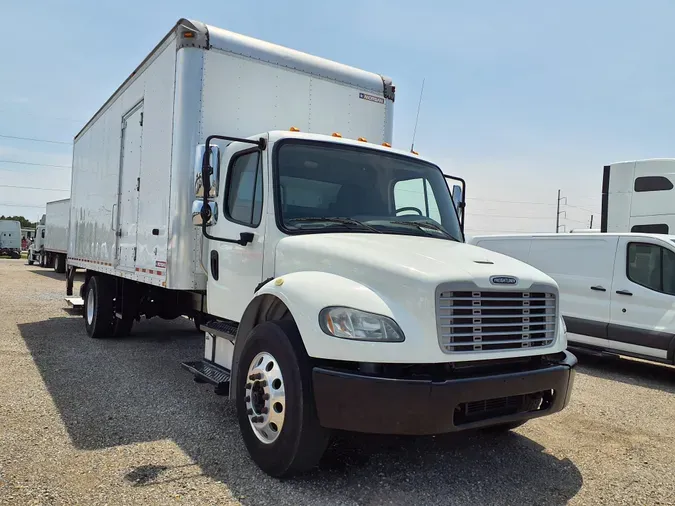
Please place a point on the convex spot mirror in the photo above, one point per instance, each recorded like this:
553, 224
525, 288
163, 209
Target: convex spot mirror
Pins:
208, 214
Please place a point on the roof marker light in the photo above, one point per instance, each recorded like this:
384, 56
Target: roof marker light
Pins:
336, 134
294, 129
362, 139
386, 144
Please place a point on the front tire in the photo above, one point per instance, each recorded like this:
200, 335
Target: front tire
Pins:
275, 402
98, 308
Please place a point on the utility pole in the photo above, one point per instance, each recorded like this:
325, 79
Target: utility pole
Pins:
559, 212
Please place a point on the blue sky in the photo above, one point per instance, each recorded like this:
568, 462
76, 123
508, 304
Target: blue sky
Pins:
521, 97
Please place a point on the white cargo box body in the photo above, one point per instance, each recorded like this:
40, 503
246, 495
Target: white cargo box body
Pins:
133, 184
56, 226
10, 234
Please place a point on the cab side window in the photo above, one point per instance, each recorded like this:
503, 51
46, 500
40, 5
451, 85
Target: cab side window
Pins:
243, 201
651, 266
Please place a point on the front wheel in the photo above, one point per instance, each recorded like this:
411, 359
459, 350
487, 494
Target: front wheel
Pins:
275, 402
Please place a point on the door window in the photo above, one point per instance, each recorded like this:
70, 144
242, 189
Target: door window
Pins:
413, 195
243, 202
651, 266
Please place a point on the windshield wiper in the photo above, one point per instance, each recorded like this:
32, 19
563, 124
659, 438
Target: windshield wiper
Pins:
344, 221
421, 225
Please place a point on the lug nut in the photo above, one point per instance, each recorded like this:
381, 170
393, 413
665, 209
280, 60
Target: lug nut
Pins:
248, 399
264, 411
249, 412
251, 377
263, 383
266, 397
248, 386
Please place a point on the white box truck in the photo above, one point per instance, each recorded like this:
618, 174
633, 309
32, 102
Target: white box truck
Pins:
50, 248
254, 188
10, 238
616, 289
636, 196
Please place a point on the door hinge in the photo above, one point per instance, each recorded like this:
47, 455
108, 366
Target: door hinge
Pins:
134, 253
141, 121
138, 184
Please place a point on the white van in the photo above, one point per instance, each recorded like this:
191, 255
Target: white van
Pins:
617, 291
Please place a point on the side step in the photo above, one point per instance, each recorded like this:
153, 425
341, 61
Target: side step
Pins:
75, 302
221, 328
208, 372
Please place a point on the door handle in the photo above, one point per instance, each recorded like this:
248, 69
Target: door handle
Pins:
624, 292
112, 218
599, 288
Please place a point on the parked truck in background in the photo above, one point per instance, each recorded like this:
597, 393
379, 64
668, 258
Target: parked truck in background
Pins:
10, 238
636, 196
50, 247
255, 189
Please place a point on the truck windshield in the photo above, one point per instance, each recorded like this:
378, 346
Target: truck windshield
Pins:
338, 188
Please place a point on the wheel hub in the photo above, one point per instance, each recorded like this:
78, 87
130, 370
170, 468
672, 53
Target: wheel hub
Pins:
265, 397
90, 307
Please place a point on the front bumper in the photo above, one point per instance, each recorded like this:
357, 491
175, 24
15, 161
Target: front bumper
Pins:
361, 403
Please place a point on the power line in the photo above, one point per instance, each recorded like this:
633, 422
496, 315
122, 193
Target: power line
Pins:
35, 140
10, 204
42, 116
38, 164
34, 188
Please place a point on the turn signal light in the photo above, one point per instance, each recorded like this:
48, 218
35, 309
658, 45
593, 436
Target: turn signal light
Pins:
294, 129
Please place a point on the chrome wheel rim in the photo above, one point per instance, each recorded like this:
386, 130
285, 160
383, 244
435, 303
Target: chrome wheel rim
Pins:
90, 307
265, 397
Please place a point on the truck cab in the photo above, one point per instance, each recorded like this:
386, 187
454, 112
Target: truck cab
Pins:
36, 250
341, 295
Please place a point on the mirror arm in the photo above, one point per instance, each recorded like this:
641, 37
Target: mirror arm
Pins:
244, 237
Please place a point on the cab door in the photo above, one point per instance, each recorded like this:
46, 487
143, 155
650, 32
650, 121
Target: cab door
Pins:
235, 269
642, 319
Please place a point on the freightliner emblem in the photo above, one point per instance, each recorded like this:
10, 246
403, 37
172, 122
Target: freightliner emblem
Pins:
503, 280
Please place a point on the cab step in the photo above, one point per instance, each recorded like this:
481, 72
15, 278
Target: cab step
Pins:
208, 372
75, 302
221, 328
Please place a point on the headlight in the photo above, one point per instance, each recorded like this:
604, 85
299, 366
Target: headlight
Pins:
350, 323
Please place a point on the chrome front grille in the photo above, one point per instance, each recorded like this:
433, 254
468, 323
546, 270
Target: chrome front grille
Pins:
475, 321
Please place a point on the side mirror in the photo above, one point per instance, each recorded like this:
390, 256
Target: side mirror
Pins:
202, 214
214, 163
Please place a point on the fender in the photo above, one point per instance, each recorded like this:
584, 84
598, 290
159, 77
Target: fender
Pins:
301, 296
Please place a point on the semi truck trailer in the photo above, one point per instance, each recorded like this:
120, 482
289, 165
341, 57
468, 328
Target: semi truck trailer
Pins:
254, 188
50, 247
10, 238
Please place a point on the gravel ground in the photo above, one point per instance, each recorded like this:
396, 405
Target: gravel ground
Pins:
119, 422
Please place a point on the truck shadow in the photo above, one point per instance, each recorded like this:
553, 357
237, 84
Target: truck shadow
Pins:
49, 273
629, 371
119, 392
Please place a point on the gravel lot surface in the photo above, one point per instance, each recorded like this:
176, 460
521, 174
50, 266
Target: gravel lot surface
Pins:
119, 422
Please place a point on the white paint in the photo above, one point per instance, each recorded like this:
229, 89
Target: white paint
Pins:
627, 208
57, 222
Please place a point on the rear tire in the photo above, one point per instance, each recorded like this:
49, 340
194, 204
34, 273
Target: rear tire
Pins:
59, 263
299, 441
98, 308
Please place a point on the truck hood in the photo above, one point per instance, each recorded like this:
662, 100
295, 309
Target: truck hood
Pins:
369, 258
